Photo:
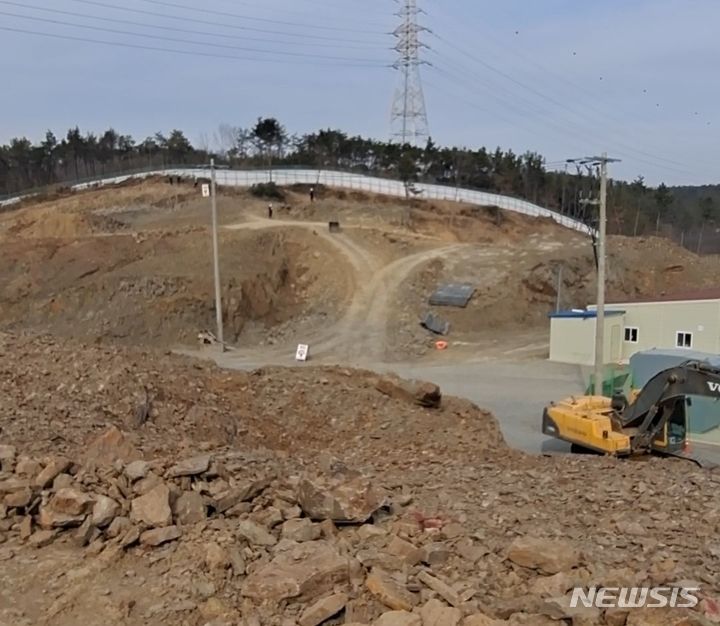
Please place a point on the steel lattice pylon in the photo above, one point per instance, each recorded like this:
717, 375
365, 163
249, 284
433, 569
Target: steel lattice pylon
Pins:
409, 116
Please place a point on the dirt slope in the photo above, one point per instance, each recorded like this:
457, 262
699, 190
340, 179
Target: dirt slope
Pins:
132, 264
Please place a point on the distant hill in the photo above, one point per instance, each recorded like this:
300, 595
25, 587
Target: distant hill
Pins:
688, 215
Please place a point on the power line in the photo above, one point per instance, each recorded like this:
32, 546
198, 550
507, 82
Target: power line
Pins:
325, 5
207, 11
187, 31
176, 40
574, 86
195, 53
627, 150
463, 81
220, 24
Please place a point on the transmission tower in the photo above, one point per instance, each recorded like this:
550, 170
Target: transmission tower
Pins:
409, 116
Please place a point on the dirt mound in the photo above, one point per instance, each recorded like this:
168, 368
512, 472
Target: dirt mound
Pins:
517, 283
647, 266
141, 488
157, 289
296, 410
51, 224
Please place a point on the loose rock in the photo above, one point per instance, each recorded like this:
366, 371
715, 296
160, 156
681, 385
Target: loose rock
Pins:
388, 591
158, 536
255, 534
304, 572
323, 610
300, 530
548, 556
104, 511
111, 446
153, 508
345, 497
190, 467
190, 508
56, 466
399, 618
435, 613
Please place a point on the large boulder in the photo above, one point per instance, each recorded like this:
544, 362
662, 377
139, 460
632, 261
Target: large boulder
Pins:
153, 509
545, 555
301, 529
421, 393
323, 610
389, 591
158, 536
304, 572
52, 469
346, 497
190, 508
111, 446
67, 508
104, 511
255, 534
428, 395
190, 467
435, 613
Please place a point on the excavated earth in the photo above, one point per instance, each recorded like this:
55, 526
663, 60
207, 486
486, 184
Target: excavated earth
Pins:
138, 487
132, 264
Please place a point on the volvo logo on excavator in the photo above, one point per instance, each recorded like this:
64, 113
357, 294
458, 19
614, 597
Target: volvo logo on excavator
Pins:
714, 387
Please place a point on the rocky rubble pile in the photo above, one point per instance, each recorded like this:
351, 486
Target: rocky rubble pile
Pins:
276, 542
55, 395
137, 488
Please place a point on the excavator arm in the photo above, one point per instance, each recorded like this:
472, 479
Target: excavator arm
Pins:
657, 400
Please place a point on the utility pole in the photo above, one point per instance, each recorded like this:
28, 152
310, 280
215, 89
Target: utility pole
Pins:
216, 257
409, 115
602, 163
558, 298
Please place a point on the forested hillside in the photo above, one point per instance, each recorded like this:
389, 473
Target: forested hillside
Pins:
689, 215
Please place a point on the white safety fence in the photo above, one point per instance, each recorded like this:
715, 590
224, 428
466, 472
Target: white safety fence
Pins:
346, 180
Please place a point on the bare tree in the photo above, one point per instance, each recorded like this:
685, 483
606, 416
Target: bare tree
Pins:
225, 139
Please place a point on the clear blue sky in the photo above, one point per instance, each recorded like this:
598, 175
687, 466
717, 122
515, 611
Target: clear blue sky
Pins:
635, 78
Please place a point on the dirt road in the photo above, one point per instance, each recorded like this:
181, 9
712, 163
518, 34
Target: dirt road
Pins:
360, 336
508, 378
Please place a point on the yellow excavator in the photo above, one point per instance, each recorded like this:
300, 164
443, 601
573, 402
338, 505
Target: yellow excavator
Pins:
654, 420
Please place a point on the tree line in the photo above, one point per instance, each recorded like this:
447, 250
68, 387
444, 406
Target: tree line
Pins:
634, 208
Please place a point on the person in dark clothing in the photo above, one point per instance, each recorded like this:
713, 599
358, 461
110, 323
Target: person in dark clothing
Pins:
312, 194
270, 211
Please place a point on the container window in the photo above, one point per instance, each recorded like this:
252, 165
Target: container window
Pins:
683, 339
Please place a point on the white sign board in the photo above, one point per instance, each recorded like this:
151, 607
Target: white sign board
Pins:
206, 191
302, 352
